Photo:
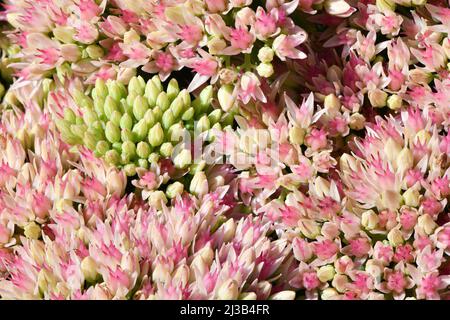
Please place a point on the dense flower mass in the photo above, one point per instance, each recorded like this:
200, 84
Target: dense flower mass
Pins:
225, 149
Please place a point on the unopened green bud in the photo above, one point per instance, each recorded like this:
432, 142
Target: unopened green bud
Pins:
203, 124
126, 135
265, 70
206, 96
157, 112
172, 89
197, 167
140, 129
177, 107
199, 184
149, 117
163, 101
143, 163
89, 116
153, 157
89, 140
129, 148
99, 107
166, 149
176, 132
115, 117
101, 90
183, 159
94, 51
140, 107
143, 150
186, 98
130, 169
112, 132
156, 135
126, 122
110, 106
78, 129
188, 114
131, 97
117, 146
168, 119
116, 90
225, 97
157, 82
102, 147
215, 116
64, 34
136, 85
69, 115
157, 199
151, 93
174, 189
112, 157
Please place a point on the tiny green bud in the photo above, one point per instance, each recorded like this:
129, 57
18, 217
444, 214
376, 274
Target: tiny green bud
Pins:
151, 93
172, 89
203, 124
177, 106
215, 116
99, 107
149, 117
78, 129
89, 116
69, 115
117, 146
110, 106
94, 51
136, 85
168, 119
174, 189
157, 112
131, 97
199, 184
143, 163
112, 157
206, 96
116, 116
130, 169
156, 135
183, 159
101, 89
143, 150
176, 132
140, 107
126, 122
140, 129
102, 147
129, 148
89, 140
112, 132
163, 101
116, 90
126, 135
166, 149
157, 82
225, 97
153, 157
185, 97
188, 114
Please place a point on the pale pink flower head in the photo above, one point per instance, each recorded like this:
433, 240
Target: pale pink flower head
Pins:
285, 46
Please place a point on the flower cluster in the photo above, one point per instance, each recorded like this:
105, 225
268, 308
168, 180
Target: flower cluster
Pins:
218, 40
225, 149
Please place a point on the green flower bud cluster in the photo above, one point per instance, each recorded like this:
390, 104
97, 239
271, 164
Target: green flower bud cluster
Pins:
135, 125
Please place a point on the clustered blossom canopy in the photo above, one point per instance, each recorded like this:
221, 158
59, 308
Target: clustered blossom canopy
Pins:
225, 149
